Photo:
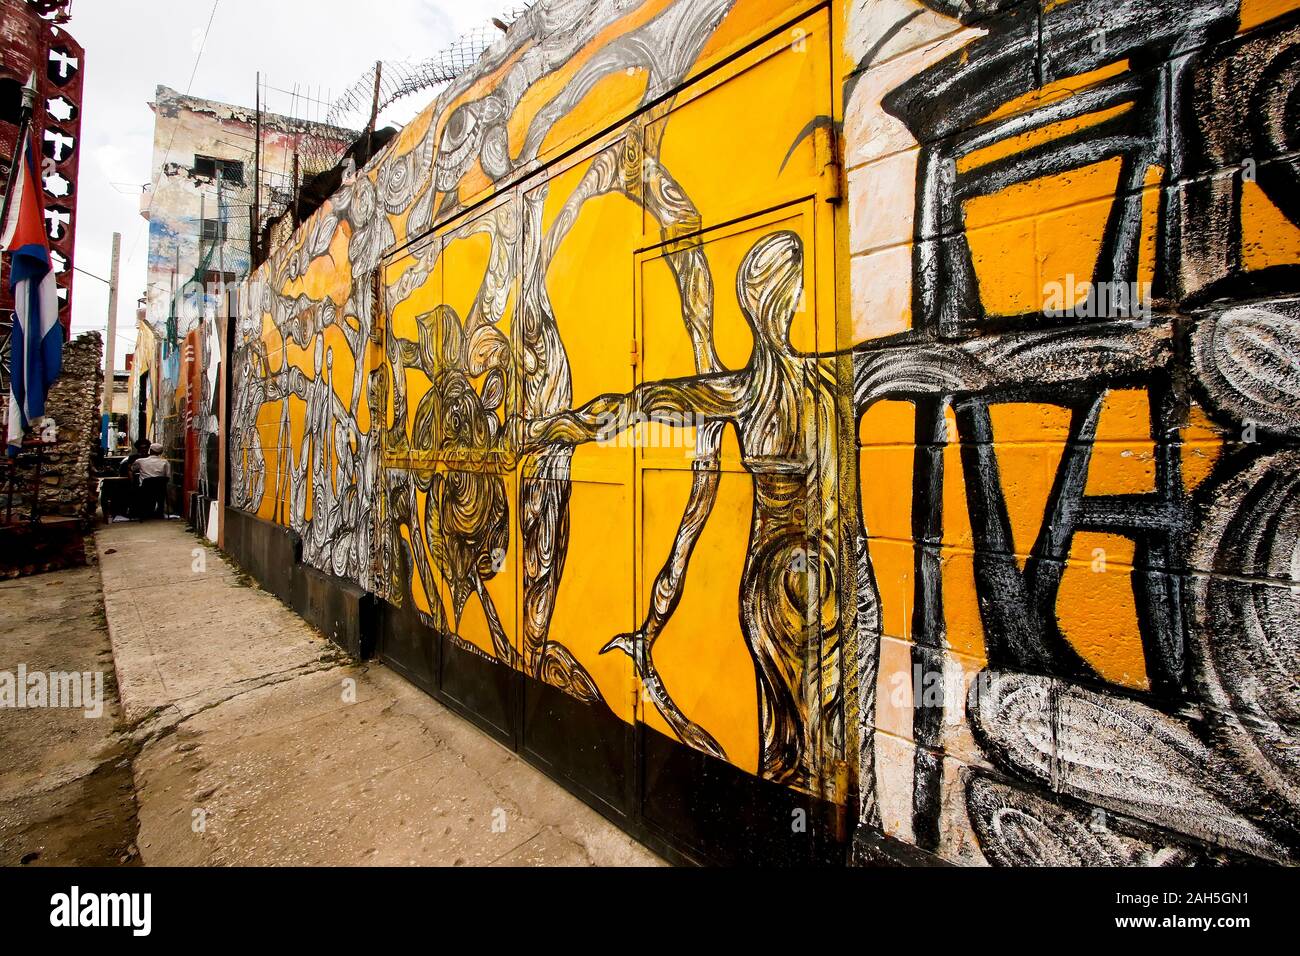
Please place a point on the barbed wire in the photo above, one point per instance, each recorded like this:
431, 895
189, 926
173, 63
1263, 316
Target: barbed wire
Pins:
399, 79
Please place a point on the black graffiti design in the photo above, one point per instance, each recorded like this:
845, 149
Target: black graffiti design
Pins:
1215, 574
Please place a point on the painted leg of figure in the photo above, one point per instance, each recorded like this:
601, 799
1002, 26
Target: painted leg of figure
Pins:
689, 732
780, 616
667, 593
544, 528
419, 554
868, 666
501, 646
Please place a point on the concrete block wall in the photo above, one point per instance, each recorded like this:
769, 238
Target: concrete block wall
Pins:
1074, 249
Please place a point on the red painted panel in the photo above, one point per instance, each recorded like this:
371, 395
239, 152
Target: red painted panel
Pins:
32, 43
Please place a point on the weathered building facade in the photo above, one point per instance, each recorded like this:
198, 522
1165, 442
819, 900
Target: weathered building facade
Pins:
208, 174
821, 430
201, 194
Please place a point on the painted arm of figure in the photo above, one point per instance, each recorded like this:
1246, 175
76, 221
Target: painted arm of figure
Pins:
607, 416
710, 398
884, 368
289, 381
704, 493
403, 496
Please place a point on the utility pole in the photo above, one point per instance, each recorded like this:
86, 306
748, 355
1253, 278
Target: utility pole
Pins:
220, 356
110, 358
221, 251
203, 218
257, 176
374, 113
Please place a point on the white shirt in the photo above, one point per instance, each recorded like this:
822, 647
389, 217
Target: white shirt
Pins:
155, 466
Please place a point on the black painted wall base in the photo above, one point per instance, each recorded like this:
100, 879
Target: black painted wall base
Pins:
872, 848
271, 554
683, 804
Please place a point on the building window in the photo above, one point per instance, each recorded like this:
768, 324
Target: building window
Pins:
210, 167
11, 101
214, 230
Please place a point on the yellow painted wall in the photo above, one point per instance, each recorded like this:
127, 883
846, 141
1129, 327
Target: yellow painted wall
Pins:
742, 366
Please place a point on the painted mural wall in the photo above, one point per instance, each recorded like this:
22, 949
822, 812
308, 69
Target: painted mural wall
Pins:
894, 399
187, 188
202, 357
142, 394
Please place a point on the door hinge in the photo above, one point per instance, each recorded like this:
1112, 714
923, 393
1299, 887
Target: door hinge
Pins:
635, 354
828, 156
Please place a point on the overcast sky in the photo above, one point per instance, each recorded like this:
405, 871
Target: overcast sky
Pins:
132, 46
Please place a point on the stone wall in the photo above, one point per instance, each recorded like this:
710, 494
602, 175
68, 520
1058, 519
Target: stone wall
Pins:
74, 404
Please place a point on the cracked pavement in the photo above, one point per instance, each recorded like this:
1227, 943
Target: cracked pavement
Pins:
256, 742
66, 794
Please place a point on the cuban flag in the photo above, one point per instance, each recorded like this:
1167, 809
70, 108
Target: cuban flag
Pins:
36, 345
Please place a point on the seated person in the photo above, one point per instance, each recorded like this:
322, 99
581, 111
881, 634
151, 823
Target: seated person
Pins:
141, 450
153, 474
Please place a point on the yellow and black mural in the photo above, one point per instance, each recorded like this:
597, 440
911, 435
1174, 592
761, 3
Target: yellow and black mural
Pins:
885, 407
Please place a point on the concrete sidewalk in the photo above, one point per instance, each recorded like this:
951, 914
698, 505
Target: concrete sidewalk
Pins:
258, 743
66, 794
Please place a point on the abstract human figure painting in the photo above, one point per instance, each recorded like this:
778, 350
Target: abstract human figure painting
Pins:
788, 611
